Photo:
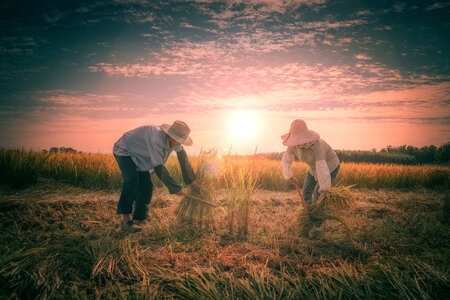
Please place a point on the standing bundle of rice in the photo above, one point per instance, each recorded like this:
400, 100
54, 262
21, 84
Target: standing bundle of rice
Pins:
336, 198
191, 209
329, 203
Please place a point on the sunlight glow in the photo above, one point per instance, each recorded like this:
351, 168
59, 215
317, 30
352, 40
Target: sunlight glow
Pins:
243, 124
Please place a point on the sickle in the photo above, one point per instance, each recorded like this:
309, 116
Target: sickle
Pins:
305, 206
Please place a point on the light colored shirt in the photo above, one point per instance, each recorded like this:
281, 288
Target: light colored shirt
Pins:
148, 146
319, 151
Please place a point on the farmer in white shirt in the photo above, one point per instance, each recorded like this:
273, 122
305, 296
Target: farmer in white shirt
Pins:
307, 146
141, 152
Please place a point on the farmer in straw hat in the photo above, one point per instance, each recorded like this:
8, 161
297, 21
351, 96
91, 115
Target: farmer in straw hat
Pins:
141, 152
322, 161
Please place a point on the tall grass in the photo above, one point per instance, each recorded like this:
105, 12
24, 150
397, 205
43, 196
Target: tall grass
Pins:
394, 176
98, 171
19, 168
240, 179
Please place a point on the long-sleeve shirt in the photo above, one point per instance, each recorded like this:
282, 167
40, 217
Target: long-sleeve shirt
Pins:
319, 154
149, 148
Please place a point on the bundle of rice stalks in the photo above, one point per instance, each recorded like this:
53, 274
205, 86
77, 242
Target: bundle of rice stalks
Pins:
240, 180
327, 207
337, 198
195, 208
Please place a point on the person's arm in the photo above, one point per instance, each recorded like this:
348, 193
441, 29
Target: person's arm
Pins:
164, 175
286, 162
322, 170
186, 168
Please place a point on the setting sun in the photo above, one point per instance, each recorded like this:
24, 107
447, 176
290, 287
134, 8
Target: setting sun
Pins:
243, 124
243, 130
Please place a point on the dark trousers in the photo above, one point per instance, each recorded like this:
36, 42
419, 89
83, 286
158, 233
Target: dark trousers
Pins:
137, 189
311, 186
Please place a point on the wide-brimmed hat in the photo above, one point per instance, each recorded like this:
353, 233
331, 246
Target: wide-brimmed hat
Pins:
179, 131
299, 134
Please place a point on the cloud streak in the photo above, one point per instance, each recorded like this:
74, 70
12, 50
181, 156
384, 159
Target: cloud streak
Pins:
132, 60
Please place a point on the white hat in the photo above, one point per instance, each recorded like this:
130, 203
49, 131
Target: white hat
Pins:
299, 134
179, 131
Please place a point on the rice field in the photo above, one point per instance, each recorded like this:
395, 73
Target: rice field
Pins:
20, 168
387, 236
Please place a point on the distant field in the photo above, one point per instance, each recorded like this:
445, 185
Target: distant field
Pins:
99, 171
60, 236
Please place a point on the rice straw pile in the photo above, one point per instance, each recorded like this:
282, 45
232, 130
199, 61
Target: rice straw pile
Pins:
194, 212
331, 202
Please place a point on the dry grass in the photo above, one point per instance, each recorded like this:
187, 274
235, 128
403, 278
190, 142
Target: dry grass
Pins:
58, 241
240, 179
193, 212
338, 198
100, 171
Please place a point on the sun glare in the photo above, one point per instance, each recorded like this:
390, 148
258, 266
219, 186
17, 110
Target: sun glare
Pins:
243, 124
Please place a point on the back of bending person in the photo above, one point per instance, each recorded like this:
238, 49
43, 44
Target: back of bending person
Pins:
307, 146
141, 152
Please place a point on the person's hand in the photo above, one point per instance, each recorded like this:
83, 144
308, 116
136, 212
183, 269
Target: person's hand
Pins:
323, 189
195, 185
293, 180
180, 193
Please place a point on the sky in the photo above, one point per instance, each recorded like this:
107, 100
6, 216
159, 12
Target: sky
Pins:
363, 74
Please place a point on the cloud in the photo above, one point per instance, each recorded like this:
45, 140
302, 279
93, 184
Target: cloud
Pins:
362, 56
61, 104
437, 5
241, 13
72, 68
303, 93
240, 72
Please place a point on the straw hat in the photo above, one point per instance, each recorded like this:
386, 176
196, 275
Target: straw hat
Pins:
179, 131
299, 134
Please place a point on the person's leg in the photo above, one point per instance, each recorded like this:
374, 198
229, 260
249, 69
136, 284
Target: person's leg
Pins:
129, 186
144, 197
308, 188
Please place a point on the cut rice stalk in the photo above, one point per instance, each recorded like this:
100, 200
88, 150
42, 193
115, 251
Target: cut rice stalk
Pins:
201, 200
326, 207
336, 198
194, 212
193, 209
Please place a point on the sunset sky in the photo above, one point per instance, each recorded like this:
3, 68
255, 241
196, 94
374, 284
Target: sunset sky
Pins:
363, 74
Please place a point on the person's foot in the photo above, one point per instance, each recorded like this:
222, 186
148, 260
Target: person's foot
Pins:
131, 227
138, 222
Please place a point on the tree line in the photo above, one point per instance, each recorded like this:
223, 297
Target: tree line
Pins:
424, 155
405, 155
